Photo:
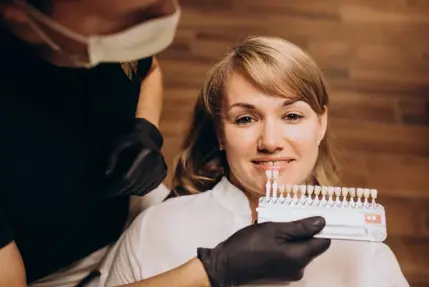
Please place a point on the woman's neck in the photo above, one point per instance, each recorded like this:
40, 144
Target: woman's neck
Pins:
253, 200
251, 197
253, 203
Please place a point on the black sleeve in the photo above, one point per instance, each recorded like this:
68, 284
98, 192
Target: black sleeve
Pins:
6, 235
143, 67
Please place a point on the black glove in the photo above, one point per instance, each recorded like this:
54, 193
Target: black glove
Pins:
136, 165
270, 252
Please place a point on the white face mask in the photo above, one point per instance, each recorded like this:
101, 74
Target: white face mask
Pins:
141, 41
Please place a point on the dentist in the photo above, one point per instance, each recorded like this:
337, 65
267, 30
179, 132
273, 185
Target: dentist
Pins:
80, 104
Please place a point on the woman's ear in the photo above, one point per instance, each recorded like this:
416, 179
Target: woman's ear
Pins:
219, 136
323, 124
220, 142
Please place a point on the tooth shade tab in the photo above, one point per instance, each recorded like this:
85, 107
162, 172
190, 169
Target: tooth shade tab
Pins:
360, 192
324, 191
282, 190
275, 174
275, 186
317, 190
267, 190
344, 192
366, 192
338, 191
295, 190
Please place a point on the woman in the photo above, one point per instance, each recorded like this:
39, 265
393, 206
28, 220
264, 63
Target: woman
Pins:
263, 105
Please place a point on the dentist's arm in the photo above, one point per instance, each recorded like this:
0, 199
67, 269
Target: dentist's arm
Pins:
190, 274
136, 165
150, 102
12, 271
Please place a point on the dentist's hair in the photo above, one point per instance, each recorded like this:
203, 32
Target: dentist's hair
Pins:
275, 66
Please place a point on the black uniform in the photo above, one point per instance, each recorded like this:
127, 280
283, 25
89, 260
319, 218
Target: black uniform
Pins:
55, 124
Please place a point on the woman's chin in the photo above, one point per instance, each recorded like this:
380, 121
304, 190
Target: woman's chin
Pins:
259, 188
254, 186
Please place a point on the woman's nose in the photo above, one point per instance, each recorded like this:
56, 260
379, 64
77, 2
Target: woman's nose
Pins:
270, 138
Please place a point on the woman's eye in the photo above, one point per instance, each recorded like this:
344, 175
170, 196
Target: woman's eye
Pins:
244, 120
293, 117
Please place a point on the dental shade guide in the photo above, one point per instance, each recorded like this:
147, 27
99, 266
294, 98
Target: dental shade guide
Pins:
350, 213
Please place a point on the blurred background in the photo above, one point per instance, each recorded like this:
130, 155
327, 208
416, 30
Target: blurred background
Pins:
375, 55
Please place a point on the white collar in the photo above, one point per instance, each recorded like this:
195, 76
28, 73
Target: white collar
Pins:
231, 198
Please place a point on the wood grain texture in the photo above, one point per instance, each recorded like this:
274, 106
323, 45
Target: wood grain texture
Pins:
375, 55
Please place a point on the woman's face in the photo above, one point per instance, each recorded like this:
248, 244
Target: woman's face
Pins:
263, 132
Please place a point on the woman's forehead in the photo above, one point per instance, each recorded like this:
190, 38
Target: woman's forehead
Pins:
240, 90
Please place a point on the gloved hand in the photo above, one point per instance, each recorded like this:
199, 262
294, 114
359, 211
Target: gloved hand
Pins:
270, 252
136, 165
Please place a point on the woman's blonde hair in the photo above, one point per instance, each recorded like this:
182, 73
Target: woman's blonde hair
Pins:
278, 68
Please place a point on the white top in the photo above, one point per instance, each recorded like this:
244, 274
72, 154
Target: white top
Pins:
168, 235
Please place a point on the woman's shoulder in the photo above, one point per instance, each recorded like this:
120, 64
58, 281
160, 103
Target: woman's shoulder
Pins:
175, 213
184, 203
375, 260
387, 270
166, 235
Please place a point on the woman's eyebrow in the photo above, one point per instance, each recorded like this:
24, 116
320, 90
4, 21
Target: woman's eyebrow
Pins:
242, 105
289, 102
248, 106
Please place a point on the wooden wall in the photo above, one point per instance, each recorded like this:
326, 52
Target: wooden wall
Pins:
375, 55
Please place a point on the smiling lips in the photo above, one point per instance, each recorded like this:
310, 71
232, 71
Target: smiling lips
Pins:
265, 164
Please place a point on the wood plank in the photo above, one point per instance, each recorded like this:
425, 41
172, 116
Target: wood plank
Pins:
381, 88
185, 98
392, 13
405, 75
399, 176
331, 54
406, 217
420, 4
375, 137
317, 9
399, 173
354, 106
414, 111
383, 57
210, 49
207, 5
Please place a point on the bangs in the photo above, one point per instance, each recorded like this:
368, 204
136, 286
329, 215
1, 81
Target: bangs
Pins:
282, 69
271, 78
276, 67
211, 98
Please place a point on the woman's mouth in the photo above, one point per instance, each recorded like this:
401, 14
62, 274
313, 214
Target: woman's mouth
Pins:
272, 164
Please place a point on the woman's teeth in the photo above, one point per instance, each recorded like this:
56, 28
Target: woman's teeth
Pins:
273, 163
